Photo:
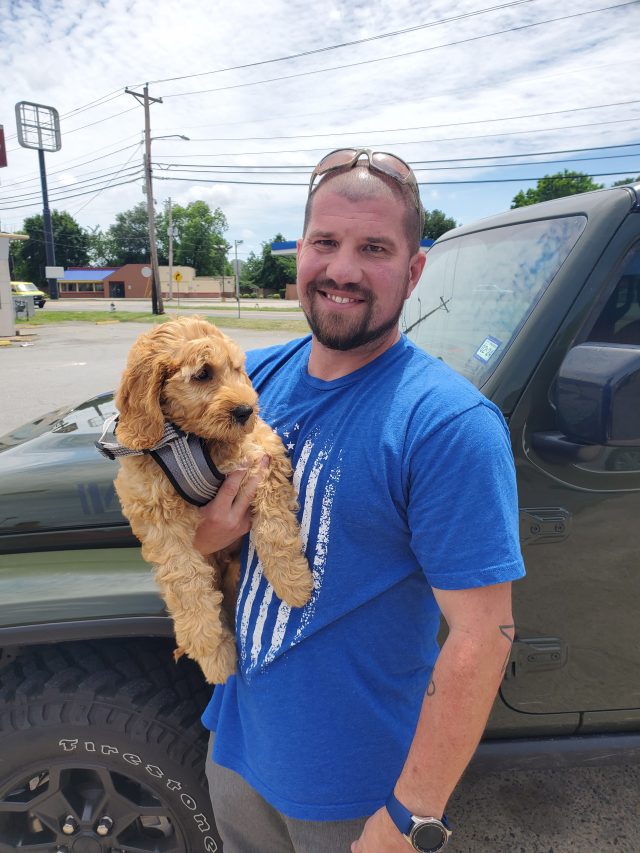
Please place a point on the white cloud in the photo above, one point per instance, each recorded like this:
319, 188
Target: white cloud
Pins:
69, 53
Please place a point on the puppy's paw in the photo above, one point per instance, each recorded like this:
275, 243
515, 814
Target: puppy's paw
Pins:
221, 663
296, 584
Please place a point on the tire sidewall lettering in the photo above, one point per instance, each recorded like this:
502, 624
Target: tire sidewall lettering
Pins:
71, 744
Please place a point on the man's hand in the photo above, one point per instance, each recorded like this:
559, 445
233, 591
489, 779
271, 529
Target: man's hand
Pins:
380, 835
228, 516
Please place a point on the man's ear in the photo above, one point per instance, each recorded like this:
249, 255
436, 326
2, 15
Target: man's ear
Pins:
140, 421
416, 266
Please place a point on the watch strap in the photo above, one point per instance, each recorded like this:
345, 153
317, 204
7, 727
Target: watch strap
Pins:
402, 817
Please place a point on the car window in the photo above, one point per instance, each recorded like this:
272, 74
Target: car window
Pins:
619, 321
477, 291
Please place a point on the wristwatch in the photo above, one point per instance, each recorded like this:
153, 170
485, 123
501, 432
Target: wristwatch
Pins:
425, 834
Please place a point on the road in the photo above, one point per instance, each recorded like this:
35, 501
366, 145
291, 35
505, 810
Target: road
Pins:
579, 810
214, 307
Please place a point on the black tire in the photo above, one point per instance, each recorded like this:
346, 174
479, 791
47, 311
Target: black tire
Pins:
101, 749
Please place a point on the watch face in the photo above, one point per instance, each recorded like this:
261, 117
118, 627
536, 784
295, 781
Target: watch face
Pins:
428, 838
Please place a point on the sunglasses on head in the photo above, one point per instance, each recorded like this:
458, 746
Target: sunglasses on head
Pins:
379, 161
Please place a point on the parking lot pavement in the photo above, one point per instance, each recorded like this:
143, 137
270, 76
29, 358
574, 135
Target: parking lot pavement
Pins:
59, 365
573, 810
579, 810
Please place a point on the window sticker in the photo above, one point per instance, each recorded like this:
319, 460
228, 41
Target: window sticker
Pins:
487, 349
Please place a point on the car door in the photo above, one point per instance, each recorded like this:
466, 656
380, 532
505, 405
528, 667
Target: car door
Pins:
577, 646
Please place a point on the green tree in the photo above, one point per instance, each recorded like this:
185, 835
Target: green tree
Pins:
556, 186
198, 237
127, 240
268, 271
71, 244
626, 181
97, 246
437, 223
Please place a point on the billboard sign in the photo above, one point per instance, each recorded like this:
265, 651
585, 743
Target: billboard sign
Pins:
38, 126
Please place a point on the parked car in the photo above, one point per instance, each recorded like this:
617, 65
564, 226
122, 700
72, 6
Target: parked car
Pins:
28, 288
100, 740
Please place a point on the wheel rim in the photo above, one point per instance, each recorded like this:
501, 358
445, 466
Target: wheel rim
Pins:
84, 810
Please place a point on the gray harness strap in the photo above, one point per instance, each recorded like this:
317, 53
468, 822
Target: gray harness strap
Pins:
182, 456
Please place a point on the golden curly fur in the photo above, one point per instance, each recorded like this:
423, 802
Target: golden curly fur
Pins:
188, 372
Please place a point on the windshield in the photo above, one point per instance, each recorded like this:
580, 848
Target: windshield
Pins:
478, 289
25, 287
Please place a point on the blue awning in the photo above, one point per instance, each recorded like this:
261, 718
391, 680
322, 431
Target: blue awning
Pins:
86, 275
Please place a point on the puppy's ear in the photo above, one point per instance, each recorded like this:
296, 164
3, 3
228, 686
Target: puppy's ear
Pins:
140, 422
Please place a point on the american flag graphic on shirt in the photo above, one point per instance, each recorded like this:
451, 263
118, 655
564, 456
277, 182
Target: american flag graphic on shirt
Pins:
265, 625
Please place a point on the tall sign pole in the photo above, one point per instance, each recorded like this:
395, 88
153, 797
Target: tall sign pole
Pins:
3, 148
49, 248
156, 292
39, 128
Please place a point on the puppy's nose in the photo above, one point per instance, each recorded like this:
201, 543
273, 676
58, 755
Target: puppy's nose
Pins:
242, 413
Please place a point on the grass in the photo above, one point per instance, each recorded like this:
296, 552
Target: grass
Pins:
267, 324
245, 304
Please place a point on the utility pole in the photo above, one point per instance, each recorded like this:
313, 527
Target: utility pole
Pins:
156, 291
170, 235
236, 243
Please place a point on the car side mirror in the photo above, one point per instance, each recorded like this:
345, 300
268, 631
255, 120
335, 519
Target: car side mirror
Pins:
597, 394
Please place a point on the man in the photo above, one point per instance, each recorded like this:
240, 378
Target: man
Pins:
345, 727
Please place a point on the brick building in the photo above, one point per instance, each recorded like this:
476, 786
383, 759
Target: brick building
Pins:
128, 282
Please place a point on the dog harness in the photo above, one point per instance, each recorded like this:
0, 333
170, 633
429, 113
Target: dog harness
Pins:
182, 456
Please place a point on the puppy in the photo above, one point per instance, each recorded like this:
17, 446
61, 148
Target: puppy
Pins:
190, 374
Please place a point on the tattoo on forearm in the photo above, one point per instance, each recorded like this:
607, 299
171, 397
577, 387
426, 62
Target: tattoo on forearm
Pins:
509, 633
431, 688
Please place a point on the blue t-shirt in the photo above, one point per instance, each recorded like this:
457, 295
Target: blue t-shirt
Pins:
406, 482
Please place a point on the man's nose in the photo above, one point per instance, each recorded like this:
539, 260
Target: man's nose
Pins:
344, 266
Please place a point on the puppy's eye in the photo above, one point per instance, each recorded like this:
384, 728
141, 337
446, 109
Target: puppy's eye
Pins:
205, 373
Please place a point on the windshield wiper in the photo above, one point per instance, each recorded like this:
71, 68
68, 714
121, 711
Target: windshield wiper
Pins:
443, 304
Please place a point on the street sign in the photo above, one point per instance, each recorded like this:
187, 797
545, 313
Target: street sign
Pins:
54, 272
177, 276
145, 272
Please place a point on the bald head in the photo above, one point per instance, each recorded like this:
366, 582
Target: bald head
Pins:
359, 183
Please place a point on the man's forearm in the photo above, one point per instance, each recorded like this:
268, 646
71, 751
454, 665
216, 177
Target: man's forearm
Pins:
454, 713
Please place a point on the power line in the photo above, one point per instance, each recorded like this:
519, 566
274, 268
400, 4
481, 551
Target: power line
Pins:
415, 163
62, 189
74, 195
282, 117
93, 123
97, 102
468, 40
396, 143
328, 48
230, 170
353, 133
71, 164
416, 127
421, 183
124, 166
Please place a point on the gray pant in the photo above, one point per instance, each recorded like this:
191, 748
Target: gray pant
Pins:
248, 824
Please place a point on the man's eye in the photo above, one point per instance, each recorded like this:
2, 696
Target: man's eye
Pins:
374, 249
203, 374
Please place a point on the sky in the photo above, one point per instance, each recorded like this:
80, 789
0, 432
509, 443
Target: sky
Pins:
481, 97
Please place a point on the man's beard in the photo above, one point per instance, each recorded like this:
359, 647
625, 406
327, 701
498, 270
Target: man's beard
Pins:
339, 332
